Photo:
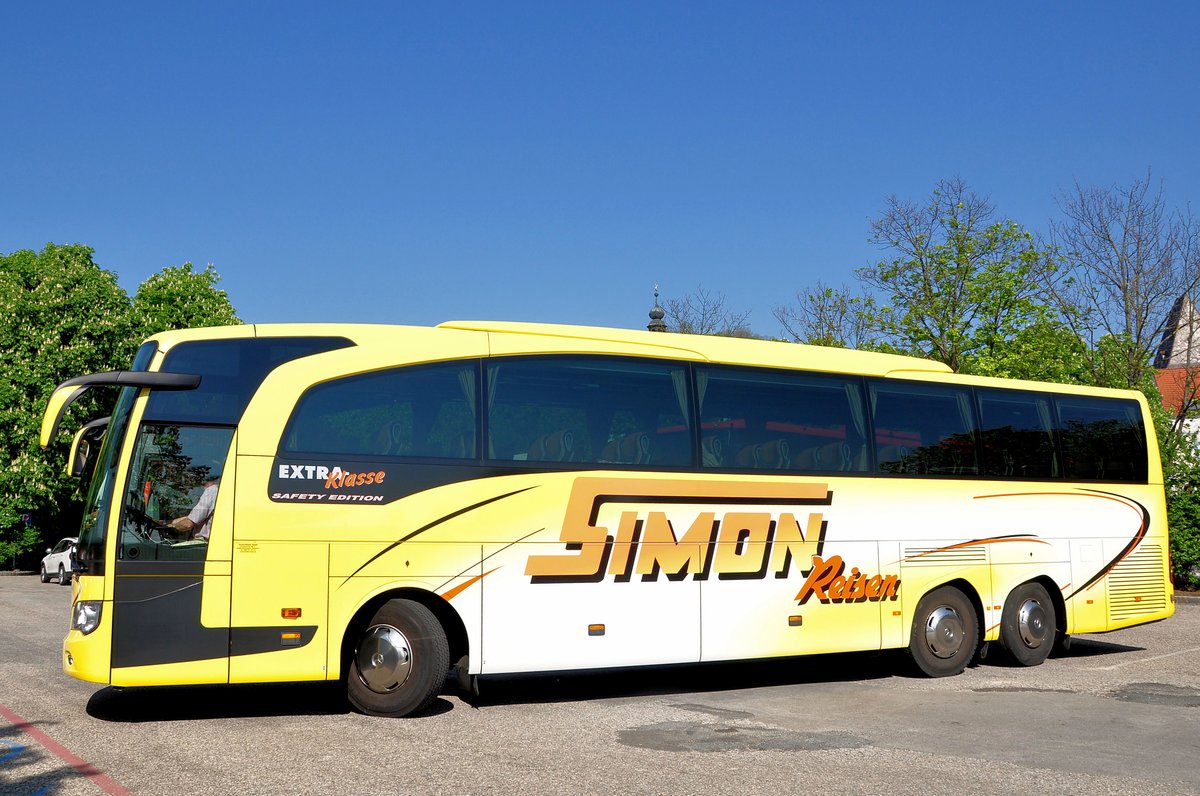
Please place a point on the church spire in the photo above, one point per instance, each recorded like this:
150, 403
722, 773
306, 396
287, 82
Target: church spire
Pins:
657, 313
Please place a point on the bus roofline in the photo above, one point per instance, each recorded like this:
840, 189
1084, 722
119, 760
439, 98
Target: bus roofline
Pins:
69, 391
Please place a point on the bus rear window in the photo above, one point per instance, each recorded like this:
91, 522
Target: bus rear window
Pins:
1102, 439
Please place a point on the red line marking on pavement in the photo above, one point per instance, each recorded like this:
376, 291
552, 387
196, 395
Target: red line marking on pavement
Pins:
99, 778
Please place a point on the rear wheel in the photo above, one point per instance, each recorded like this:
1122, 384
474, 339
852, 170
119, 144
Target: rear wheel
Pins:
400, 662
945, 633
62, 575
1027, 626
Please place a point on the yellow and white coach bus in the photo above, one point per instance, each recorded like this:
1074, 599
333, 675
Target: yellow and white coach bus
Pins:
374, 504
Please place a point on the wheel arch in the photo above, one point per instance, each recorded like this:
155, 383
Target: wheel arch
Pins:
451, 622
1056, 597
966, 587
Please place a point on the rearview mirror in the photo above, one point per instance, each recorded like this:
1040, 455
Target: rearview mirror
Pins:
86, 441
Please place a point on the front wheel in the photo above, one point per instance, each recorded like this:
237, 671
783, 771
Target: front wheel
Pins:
945, 633
400, 662
45, 574
1027, 626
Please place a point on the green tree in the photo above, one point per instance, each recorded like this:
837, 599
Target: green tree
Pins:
1181, 482
62, 315
1045, 350
1124, 258
702, 312
179, 298
829, 316
960, 283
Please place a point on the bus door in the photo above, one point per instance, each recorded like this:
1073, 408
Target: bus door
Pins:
171, 588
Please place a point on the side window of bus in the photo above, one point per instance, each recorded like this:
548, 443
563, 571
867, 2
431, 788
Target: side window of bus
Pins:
425, 411
781, 421
1102, 439
1017, 432
169, 502
923, 429
588, 410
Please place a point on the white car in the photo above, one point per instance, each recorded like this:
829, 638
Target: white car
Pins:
57, 562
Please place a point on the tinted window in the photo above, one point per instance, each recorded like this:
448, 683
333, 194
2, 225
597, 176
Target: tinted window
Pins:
231, 371
421, 411
923, 429
1017, 434
1102, 439
780, 420
603, 411
175, 473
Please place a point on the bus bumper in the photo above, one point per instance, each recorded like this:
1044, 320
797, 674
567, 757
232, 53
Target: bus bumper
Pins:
87, 657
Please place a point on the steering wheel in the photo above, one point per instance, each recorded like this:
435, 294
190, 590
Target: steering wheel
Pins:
145, 524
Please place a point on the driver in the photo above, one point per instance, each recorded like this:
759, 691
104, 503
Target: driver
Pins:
198, 521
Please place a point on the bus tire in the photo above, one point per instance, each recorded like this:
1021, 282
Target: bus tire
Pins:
945, 633
400, 661
1027, 626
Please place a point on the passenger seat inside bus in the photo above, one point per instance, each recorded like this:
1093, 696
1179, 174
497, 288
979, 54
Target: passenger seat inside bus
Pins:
632, 448
712, 452
389, 441
770, 455
833, 456
557, 446
893, 458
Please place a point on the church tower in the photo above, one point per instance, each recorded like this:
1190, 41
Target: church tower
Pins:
1180, 345
657, 313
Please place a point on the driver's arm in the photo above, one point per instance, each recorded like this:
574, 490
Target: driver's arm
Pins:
183, 524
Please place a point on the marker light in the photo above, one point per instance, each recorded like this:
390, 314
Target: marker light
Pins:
86, 616
290, 613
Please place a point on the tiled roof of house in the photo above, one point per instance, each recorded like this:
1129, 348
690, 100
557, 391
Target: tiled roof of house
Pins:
1173, 383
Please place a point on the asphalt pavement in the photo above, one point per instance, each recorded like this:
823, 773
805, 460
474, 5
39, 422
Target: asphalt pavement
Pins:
1118, 713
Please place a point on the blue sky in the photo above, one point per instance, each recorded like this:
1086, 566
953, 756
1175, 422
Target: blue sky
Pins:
404, 163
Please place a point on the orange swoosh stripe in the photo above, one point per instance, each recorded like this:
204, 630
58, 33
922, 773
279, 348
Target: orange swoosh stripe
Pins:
452, 593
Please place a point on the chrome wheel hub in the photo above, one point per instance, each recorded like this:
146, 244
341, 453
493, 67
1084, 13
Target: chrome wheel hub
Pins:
944, 631
1031, 624
384, 659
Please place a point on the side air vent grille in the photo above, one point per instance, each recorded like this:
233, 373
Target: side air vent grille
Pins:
933, 556
1137, 585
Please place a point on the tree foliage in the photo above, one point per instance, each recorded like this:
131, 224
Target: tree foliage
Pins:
62, 315
960, 283
702, 312
829, 316
180, 298
1124, 259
